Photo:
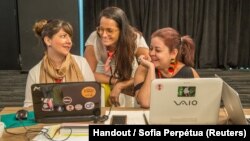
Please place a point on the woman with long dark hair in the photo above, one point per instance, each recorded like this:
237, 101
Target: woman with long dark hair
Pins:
111, 51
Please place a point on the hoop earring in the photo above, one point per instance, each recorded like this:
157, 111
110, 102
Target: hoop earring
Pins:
172, 66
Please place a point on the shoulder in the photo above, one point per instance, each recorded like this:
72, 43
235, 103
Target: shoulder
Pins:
139, 36
79, 59
185, 72
93, 34
196, 75
34, 72
140, 41
35, 68
91, 39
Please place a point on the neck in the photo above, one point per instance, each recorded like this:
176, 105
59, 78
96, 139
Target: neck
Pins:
164, 73
56, 60
110, 48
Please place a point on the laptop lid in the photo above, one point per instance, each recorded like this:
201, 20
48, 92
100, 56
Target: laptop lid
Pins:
185, 101
232, 104
66, 102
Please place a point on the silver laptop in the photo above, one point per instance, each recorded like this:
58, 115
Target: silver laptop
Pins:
185, 101
232, 104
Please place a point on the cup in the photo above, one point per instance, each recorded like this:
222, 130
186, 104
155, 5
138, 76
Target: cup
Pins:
2, 125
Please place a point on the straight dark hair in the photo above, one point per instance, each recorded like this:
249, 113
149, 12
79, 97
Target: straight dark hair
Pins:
126, 45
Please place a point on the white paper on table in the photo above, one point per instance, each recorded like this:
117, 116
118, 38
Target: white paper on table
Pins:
73, 137
247, 116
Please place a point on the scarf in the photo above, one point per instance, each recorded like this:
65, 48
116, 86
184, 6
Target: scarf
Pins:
69, 71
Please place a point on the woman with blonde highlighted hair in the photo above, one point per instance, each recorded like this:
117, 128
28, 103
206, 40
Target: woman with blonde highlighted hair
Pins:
58, 64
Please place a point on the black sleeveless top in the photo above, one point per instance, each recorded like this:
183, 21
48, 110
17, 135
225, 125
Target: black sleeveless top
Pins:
184, 72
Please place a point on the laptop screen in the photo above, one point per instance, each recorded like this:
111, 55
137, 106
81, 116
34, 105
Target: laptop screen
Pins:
185, 101
66, 100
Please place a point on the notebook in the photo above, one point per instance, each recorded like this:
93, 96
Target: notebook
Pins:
232, 104
66, 102
185, 101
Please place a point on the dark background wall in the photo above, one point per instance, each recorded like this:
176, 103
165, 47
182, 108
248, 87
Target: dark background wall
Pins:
9, 39
29, 11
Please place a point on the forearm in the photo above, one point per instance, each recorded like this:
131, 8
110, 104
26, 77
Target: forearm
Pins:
120, 87
125, 84
143, 95
101, 78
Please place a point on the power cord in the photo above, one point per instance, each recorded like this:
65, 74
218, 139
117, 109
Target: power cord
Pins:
44, 131
104, 117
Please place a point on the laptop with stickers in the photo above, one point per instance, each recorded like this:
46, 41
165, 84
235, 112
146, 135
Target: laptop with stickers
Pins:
66, 102
232, 105
185, 101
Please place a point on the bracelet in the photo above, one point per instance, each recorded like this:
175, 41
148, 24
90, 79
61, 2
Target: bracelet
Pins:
110, 78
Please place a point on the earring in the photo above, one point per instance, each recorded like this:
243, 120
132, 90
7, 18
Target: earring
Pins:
172, 66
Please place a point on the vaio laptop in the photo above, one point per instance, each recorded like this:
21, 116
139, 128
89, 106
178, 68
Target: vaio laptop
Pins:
185, 101
66, 102
232, 105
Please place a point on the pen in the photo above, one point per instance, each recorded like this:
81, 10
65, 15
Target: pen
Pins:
145, 118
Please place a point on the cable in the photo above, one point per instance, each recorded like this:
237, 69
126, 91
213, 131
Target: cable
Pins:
104, 117
43, 131
6, 129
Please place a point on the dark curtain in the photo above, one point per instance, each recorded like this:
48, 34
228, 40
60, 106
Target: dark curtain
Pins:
220, 28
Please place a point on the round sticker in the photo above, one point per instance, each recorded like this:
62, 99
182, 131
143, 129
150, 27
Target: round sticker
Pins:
67, 100
70, 107
88, 92
78, 107
89, 105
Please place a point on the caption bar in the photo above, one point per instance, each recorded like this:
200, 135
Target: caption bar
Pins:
168, 131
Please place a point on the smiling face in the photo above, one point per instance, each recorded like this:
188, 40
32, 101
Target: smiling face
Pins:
108, 31
60, 43
160, 53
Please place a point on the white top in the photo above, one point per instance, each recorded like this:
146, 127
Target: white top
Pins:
101, 55
34, 76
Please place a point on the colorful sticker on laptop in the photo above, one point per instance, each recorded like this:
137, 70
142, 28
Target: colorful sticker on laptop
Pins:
67, 100
78, 107
47, 104
88, 92
89, 105
186, 91
70, 107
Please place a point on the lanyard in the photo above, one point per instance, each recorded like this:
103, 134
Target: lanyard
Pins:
107, 65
